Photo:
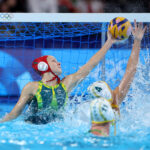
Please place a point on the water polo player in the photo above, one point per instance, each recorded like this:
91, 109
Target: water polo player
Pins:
106, 99
46, 98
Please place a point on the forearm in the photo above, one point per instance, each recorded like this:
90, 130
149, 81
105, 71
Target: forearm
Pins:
133, 60
8, 117
95, 59
130, 72
74, 79
100, 54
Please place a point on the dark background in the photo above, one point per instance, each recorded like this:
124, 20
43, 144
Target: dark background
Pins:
75, 6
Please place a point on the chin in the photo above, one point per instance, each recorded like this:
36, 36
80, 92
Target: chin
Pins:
59, 72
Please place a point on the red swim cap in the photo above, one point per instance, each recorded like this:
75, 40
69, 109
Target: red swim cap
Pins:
41, 66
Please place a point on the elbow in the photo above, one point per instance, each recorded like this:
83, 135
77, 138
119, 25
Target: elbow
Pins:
80, 75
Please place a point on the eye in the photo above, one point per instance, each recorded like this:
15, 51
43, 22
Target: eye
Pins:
54, 61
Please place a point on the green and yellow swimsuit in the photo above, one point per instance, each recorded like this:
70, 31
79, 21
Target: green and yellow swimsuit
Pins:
46, 103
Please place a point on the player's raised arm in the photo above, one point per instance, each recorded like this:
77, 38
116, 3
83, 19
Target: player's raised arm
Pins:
77, 77
26, 94
121, 91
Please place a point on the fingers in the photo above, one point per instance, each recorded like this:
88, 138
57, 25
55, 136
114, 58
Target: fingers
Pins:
140, 25
135, 24
144, 29
132, 29
108, 32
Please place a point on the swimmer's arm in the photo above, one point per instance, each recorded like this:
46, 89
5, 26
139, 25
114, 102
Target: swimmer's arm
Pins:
121, 91
23, 100
74, 79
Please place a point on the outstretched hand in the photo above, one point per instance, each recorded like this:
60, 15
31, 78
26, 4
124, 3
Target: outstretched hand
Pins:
138, 32
111, 38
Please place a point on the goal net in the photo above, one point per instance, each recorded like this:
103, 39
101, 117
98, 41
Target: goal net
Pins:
72, 38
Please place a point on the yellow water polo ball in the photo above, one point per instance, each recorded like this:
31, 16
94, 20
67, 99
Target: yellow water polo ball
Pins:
120, 28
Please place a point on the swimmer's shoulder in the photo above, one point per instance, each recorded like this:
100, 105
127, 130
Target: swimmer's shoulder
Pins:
28, 92
31, 87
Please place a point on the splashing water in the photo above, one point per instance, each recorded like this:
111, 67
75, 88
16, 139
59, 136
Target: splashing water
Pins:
136, 113
133, 129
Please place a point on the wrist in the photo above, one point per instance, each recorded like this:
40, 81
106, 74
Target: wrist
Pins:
109, 42
137, 41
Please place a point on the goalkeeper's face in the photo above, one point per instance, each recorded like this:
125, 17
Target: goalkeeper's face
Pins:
54, 65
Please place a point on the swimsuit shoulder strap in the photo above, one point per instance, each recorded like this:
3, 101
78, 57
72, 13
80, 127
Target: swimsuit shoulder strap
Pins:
38, 95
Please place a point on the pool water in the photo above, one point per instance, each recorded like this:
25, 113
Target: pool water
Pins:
71, 134
133, 128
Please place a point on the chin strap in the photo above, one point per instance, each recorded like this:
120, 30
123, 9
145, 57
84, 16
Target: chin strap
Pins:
54, 78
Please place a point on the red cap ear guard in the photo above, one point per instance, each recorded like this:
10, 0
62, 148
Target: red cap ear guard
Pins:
41, 66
